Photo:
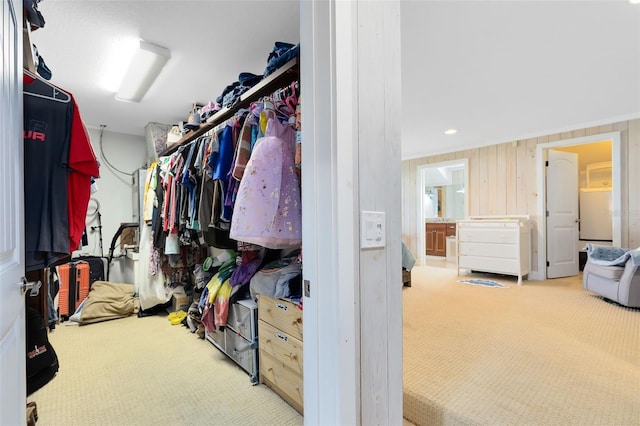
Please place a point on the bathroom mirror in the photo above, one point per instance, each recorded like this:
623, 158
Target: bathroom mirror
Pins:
444, 186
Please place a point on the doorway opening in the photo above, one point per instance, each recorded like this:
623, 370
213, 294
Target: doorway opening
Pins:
442, 199
595, 195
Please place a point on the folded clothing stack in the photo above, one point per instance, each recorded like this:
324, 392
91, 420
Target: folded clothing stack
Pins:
281, 54
231, 94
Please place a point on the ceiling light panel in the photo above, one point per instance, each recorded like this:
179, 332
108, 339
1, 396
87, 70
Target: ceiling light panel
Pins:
145, 67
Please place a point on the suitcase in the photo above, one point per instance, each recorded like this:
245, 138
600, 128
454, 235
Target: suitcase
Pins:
96, 268
41, 358
74, 287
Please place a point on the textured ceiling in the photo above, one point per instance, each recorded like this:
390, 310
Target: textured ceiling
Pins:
494, 70
86, 44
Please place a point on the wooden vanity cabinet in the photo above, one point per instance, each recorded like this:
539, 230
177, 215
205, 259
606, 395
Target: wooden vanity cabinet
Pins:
436, 234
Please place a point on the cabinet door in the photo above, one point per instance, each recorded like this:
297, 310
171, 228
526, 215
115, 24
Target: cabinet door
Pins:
440, 241
435, 239
430, 243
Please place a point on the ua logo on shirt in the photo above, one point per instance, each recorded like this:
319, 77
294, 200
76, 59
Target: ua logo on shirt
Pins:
36, 131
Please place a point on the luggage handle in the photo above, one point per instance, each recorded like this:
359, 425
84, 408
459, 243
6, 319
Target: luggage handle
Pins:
78, 277
72, 289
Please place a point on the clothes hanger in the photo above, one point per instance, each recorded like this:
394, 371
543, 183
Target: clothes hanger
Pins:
292, 98
41, 88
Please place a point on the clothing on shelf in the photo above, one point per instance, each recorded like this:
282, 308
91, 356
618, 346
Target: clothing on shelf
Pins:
236, 186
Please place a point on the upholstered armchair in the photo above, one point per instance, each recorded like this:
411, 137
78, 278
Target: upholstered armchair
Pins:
618, 282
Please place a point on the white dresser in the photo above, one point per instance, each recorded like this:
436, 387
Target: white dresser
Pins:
498, 245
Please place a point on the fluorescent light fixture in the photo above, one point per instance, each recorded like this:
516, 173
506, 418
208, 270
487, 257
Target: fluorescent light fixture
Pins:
634, 1
145, 66
450, 132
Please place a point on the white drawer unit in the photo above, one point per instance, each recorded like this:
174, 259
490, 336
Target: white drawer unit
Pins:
496, 245
239, 339
242, 319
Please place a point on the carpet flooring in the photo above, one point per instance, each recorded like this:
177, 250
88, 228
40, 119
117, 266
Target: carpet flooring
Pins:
544, 353
145, 371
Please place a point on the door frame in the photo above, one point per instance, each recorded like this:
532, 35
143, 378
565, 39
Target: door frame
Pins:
616, 162
420, 231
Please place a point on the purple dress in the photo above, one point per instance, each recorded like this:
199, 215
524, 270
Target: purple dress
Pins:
268, 211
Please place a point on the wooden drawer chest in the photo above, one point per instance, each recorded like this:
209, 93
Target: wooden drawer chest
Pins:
500, 246
280, 346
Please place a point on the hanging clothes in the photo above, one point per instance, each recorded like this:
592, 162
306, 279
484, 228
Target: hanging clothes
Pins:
83, 166
58, 166
268, 211
244, 144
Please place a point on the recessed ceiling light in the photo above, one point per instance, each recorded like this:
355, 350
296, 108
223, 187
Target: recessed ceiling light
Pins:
634, 1
450, 132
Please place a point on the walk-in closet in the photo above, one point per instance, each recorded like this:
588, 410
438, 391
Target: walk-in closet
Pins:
166, 244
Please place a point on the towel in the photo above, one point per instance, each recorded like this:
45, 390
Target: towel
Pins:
612, 256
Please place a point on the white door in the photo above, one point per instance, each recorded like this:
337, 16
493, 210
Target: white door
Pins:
562, 208
12, 333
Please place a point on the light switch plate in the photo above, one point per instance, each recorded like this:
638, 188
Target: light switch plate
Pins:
372, 230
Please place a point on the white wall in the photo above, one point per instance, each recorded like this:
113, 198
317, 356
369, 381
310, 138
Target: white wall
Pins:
503, 181
353, 310
127, 153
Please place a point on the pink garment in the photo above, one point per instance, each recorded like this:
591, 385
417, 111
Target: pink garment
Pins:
221, 305
268, 211
208, 319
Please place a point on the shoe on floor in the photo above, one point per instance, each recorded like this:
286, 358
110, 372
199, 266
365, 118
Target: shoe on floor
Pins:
176, 317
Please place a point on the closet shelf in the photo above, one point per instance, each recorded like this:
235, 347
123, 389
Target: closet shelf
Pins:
28, 61
279, 78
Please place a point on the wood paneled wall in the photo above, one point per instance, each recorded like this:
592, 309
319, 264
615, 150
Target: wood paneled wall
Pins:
502, 181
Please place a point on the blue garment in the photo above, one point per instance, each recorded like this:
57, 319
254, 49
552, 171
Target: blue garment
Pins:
281, 54
214, 154
254, 135
612, 256
203, 298
227, 90
246, 81
190, 182
221, 168
225, 157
